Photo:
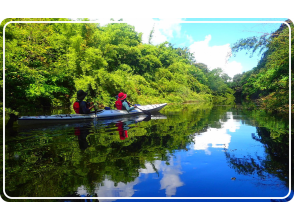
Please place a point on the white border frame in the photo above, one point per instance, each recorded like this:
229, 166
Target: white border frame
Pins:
156, 198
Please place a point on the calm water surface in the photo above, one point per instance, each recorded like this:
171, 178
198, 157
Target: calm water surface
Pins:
187, 151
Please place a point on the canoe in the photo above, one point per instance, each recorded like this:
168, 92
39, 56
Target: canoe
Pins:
101, 114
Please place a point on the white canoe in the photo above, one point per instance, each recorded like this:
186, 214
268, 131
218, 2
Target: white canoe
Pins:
100, 114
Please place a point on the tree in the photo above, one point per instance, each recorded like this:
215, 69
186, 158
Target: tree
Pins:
225, 77
270, 79
151, 35
46, 63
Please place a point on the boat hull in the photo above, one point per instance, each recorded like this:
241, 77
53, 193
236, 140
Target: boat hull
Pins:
122, 113
102, 114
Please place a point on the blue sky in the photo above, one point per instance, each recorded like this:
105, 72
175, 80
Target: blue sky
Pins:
220, 37
210, 42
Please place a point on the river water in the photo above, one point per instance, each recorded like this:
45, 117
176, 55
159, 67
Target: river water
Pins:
188, 152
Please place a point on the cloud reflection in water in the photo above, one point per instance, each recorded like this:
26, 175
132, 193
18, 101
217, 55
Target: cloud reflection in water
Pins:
216, 137
170, 181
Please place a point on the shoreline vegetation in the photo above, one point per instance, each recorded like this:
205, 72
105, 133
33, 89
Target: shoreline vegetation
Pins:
47, 63
267, 85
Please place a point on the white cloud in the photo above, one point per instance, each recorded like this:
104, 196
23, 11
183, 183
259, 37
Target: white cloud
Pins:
144, 26
170, 27
215, 56
109, 190
121, 190
163, 30
190, 39
149, 168
232, 68
231, 124
171, 180
221, 139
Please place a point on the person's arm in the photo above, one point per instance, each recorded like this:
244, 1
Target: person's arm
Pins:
91, 104
125, 104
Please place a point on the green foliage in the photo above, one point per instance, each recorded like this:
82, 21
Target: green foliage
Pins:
47, 63
217, 82
269, 81
252, 43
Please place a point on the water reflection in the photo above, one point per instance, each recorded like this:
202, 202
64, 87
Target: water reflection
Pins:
193, 152
82, 133
217, 137
168, 176
171, 178
123, 125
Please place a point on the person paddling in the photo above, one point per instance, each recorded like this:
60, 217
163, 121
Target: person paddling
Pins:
80, 106
122, 103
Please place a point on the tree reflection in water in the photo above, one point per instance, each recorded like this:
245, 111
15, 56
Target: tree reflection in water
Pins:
54, 162
275, 139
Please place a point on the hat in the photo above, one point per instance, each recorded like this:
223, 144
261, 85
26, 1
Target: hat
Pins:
81, 95
121, 96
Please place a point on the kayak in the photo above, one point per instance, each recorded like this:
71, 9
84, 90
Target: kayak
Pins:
100, 114
97, 123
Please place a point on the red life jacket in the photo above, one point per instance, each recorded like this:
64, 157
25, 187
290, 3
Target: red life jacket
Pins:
123, 134
76, 107
119, 105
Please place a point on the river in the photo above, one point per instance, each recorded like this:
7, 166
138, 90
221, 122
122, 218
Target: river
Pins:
188, 152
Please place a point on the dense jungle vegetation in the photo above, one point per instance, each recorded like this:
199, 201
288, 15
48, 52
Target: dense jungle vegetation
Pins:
268, 83
46, 63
